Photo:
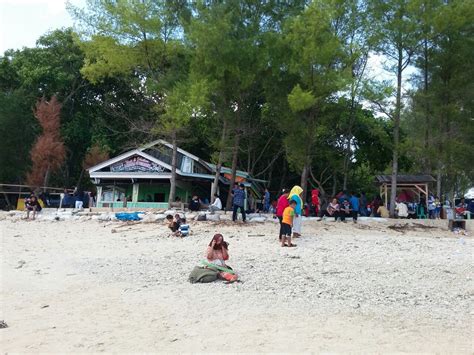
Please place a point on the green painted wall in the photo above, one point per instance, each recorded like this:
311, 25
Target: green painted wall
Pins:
150, 189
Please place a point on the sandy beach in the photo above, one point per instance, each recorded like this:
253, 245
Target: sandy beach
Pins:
83, 285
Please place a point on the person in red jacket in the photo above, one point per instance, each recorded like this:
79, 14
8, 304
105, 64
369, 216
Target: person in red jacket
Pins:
281, 205
315, 202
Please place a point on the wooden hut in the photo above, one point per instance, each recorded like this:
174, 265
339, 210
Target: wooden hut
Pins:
141, 177
418, 184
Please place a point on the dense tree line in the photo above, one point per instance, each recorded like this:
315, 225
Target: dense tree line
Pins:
280, 89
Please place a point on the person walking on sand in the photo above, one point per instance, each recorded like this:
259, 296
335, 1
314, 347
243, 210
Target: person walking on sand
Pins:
281, 205
295, 195
355, 208
238, 201
287, 222
266, 201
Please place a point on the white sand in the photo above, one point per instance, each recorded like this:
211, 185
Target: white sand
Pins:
74, 286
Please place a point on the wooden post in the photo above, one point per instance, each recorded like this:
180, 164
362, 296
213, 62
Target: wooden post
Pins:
386, 202
113, 197
99, 195
136, 188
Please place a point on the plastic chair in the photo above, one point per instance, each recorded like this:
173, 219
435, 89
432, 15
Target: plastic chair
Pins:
421, 213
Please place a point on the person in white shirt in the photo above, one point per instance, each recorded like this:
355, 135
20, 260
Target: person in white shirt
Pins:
402, 210
217, 205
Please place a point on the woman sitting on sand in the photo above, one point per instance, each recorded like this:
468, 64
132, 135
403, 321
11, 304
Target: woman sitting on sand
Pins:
217, 254
332, 210
32, 205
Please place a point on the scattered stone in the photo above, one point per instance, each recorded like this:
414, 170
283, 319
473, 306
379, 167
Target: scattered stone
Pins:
213, 217
258, 220
3, 324
20, 264
160, 217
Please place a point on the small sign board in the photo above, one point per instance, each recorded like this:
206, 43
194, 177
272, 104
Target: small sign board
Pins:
137, 164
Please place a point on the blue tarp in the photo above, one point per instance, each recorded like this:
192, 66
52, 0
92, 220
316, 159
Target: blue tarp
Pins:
128, 216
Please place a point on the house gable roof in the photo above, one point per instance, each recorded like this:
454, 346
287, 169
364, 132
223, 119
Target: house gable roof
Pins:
124, 156
405, 179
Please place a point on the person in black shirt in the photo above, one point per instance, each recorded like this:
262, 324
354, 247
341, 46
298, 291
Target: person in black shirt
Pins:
195, 204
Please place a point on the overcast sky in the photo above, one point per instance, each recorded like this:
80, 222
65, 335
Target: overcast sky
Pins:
22, 22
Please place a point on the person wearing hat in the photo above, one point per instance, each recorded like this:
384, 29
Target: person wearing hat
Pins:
238, 201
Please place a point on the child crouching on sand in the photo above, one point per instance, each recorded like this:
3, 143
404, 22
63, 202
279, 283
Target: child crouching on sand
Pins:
173, 223
287, 223
183, 230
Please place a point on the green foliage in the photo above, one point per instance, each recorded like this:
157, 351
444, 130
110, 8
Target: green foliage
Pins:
18, 129
287, 78
300, 100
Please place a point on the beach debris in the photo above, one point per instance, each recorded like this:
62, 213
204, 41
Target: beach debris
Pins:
213, 217
403, 227
45, 306
201, 217
129, 216
128, 223
20, 264
258, 219
3, 324
17, 236
460, 231
256, 235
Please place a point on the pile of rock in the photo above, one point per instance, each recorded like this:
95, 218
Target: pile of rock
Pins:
48, 214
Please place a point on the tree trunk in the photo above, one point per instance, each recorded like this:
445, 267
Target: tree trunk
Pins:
427, 108
396, 132
235, 155
46, 177
346, 164
438, 182
304, 179
173, 169
283, 177
308, 157
334, 184
79, 181
348, 151
220, 161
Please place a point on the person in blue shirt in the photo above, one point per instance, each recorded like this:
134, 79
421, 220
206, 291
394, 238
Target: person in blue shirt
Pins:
354, 200
238, 201
266, 201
